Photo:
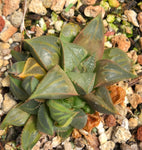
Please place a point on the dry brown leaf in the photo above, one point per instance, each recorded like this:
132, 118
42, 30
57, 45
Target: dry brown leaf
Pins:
117, 94
92, 140
93, 120
76, 134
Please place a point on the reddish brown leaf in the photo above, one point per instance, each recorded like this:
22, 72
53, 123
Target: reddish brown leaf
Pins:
117, 94
76, 134
92, 121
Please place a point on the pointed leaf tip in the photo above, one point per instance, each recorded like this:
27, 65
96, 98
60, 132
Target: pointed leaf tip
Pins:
92, 37
55, 85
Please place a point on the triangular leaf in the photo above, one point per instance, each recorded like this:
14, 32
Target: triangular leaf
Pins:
44, 122
72, 55
108, 72
69, 32
62, 115
16, 89
16, 117
17, 68
55, 85
30, 107
83, 82
44, 49
29, 84
30, 135
118, 56
92, 37
101, 101
89, 64
32, 68
19, 56
80, 120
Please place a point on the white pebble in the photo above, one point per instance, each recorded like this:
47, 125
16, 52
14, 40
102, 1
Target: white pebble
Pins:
125, 123
51, 31
8, 57
100, 128
58, 25
103, 138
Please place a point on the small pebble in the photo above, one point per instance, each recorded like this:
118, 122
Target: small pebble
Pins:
58, 25
7, 57
68, 2
4, 46
140, 17
2, 23
133, 122
134, 100
69, 14
93, 11
121, 135
110, 121
8, 103
133, 55
5, 82
132, 17
103, 138
16, 18
58, 5
17, 37
140, 59
68, 145
109, 145
125, 123
47, 3
139, 133
36, 6
80, 19
122, 42
88, 2
56, 141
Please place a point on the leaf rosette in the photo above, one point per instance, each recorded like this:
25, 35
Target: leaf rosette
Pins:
62, 81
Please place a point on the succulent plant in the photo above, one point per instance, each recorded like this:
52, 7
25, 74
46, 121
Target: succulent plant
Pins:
60, 78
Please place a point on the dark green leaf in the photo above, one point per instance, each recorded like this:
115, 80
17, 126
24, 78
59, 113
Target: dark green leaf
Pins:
44, 122
19, 56
118, 56
61, 114
17, 90
108, 72
64, 132
16, 117
89, 64
44, 49
29, 84
30, 135
101, 101
92, 37
17, 68
72, 55
80, 120
83, 82
55, 85
30, 107
69, 32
